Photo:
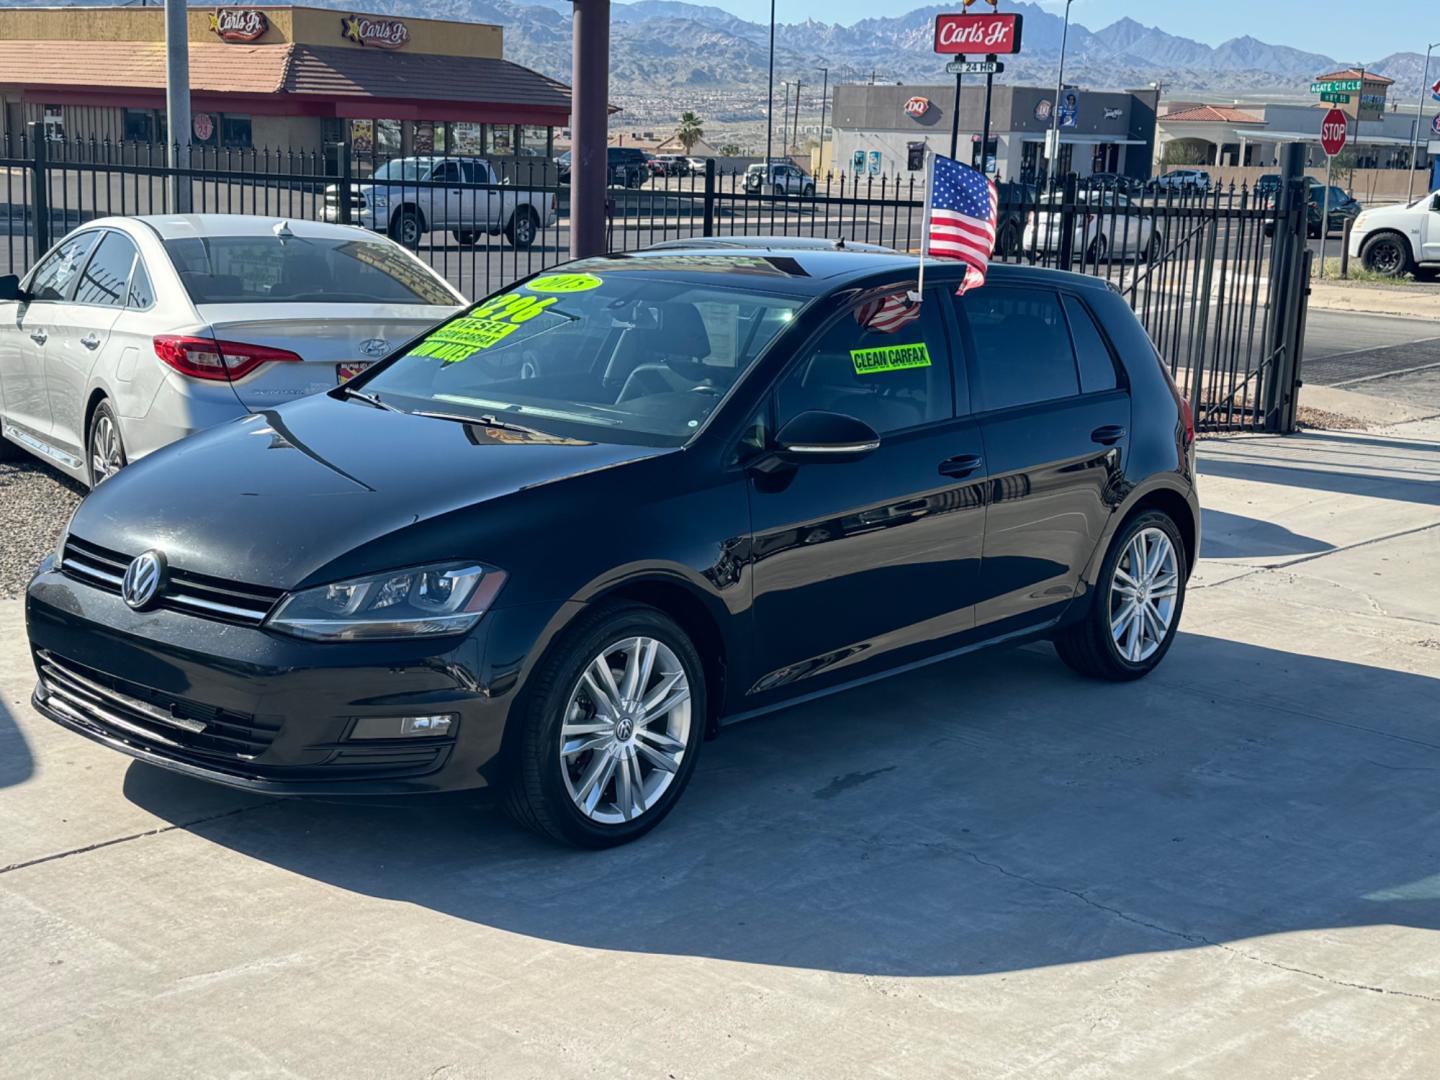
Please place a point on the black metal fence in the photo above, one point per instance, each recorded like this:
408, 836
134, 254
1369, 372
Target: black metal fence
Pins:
1218, 277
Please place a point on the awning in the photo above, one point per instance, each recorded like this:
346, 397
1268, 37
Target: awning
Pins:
1314, 137
1085, 140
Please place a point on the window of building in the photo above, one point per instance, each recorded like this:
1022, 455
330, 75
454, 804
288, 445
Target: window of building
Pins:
140, 125
878, 364
235, 132
387, 138
54, 122
107, 274
467, 138
1023, 352
534, 141
500, 139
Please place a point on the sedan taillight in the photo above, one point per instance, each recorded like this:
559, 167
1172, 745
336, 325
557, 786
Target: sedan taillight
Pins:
218, 361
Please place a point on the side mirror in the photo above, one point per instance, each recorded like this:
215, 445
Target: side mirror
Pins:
819, 438
1435, 203
10, 288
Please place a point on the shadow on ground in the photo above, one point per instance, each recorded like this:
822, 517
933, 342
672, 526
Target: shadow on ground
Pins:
1234, 536
16, 763
987, 814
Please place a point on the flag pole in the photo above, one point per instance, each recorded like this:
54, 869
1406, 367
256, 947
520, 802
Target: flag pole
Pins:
919, 293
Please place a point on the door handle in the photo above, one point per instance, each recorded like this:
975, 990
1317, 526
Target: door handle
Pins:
90, 341
1108, 435
39, 337
961, 465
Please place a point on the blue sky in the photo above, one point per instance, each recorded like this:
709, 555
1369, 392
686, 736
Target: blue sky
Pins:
1333, 29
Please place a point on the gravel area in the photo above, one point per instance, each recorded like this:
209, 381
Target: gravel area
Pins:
35, 504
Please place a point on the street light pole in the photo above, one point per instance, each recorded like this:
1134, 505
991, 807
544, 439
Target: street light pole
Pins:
770, 90
794, 143
1054, 146
1419, 116
177, 103
824, 90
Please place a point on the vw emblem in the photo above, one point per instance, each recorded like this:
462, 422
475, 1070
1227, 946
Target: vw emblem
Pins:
375, 346
143, 578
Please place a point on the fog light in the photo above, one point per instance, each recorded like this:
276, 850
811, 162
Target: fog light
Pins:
402, 727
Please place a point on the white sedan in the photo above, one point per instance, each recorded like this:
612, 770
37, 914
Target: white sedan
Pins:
1106, 224
131, 333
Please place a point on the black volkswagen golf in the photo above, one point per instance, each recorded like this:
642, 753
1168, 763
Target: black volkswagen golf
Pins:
550, 546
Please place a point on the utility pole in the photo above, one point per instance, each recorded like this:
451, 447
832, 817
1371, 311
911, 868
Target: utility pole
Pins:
589, 122
985, 127
177, 103
824, 90
955, 116
794, 143
784, 116
1419, 119
770, 90
1054, 148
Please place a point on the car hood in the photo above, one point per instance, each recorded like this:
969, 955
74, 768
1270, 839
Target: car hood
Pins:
276, 497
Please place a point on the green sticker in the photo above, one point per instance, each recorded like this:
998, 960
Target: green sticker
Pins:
461, 339
564, 283
890, 358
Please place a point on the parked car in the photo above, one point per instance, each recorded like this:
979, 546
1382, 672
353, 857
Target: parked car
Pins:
1130, 185
1268, 186
131, 333
1109, 225
697, 164
1015, 202
1181, 180
628, 166
1342, 208
1396, 240
769, 243
408, 197
778, 179
670, 165
399, 585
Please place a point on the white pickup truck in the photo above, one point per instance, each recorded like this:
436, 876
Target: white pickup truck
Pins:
1395, 240
409, 197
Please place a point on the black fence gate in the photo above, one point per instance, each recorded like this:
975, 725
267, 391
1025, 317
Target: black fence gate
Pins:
1219, 277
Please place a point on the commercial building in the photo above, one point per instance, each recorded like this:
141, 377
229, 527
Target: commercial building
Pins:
1110, 132
292, 78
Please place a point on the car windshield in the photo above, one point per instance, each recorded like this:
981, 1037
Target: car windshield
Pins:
403, 169
271, 269
631, 357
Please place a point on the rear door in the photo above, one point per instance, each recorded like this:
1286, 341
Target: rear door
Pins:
1055, 416
866, 564
82, 344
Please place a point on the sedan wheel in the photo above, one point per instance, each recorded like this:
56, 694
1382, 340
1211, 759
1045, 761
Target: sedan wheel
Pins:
106, 451
609, 729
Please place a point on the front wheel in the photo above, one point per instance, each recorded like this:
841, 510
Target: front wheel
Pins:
1156, 251
105, 450
1387, 254
610, 729
466, 238
522, 230
1135, 610
406, 227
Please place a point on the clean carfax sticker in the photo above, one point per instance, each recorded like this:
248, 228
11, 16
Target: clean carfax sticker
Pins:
564, 283
890, 358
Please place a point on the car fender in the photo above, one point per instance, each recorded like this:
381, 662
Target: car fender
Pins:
1171, 482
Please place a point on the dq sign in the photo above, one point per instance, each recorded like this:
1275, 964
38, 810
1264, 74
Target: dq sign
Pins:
917, 107
239, 24
984, 35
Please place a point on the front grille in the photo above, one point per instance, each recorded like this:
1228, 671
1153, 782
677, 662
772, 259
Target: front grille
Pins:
197, 594
148, 717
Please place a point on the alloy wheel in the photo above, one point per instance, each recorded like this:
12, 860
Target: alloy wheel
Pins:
1386, 258
106, 457
1143, 591
625, 730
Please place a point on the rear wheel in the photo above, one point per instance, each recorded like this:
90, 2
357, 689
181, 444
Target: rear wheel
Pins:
1156, 251
1008, 242
104, 449
611, 725
1387, 254
1135, 610
407, 226
523, 228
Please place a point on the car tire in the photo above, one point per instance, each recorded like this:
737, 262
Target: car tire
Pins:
1094, 646
1387, 254
8, 450
577, 798
104, 446
523, 228
809, 191
1156, 251
406, 227
777, 191
1097, 251
1008, 242
465, 238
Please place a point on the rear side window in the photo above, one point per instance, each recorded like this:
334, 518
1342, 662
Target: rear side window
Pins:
107, 274
1097, 364
56, 274
1022, 347
142, 294
269, 270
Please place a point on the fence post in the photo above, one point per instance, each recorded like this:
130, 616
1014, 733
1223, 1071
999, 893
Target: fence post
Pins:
1067, 223
39, 188
709, 227
1345, 248
342, 158
1288, 299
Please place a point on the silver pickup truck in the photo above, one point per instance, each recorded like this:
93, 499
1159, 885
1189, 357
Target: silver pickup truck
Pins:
409, 197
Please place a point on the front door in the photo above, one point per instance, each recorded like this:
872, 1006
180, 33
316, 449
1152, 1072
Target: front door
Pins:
1055, 416
862, 565
1431, 244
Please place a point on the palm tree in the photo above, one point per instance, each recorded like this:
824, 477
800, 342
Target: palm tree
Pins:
689, 132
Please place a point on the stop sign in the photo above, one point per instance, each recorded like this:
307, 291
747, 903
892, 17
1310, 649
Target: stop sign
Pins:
1334, 132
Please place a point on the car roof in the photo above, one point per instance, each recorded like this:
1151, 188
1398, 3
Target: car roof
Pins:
808, 272
772, 243
181, 226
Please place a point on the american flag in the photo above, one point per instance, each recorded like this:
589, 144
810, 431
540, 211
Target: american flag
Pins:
963, 208
887, 314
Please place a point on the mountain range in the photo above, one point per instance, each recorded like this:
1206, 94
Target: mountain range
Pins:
665, 45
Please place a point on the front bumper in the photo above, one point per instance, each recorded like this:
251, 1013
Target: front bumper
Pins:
275, 715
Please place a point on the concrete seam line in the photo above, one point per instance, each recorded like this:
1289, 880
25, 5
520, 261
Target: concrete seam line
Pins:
1367, 348
1382, 375
1194, 939
1252, 571
124, 839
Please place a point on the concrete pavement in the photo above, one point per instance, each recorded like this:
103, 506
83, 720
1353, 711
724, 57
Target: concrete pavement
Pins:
988, 867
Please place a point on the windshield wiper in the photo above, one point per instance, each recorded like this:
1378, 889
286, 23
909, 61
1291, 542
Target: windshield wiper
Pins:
487, 421
369, 399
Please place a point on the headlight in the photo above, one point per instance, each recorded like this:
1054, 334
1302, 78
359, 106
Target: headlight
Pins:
1359, 221
447, 598
379, 198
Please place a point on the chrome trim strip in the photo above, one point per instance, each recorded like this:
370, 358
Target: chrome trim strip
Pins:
144, 708
40, 446
185, 600
833, 448
78, 712
90, 571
